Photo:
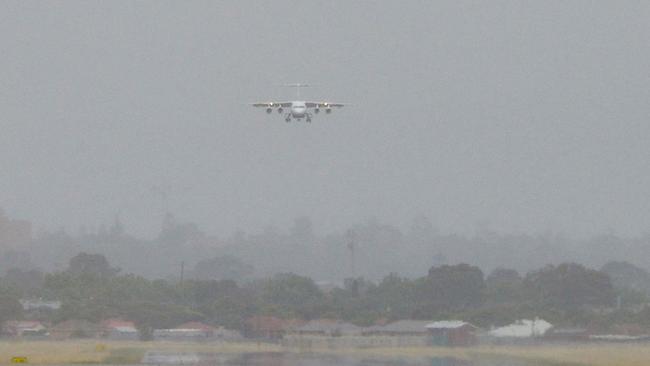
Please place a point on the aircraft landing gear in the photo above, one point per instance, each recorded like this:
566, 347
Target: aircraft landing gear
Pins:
308, 118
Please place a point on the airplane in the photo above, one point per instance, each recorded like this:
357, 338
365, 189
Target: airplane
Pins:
298, 109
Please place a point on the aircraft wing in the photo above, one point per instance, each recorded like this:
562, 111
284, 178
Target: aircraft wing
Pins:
272, 104
323, 105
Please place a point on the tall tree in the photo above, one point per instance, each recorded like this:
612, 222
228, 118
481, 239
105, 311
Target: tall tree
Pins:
503, 286
91, 264
626, 275
295, 295
455, 287
222, 268
569, 286
10, 309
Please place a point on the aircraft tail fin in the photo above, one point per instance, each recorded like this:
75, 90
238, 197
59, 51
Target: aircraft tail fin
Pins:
297, 86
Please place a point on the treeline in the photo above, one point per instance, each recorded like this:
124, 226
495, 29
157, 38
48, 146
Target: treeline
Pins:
379, 248
569, 294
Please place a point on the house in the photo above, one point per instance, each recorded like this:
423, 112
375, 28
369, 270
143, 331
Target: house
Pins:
223, 334
206, 330
270, 327
195, 332
521, 330
75, 328
118, 329
400, 328
625, 332
329, 327
38, 308
453, 333
40, 305
179, 335
618, 338
629, 329
557, 334
210, 332
24, 328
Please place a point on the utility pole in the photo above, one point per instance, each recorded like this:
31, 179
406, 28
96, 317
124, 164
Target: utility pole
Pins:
181, 282
351, 246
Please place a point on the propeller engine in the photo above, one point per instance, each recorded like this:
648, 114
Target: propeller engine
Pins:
269, 110
280, 110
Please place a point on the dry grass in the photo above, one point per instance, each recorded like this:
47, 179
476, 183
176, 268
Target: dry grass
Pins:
87, 351
591, 355
556, 355
69, 352
51, 352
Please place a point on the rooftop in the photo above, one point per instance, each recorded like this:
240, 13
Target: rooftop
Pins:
523, 328
404, 326
448, 324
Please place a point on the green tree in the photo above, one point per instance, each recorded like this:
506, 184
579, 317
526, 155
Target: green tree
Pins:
503, 286
455, 287
222, 268
28, 282
10, 308
94, 264
292, 294
626, 275
394, 296
569, 286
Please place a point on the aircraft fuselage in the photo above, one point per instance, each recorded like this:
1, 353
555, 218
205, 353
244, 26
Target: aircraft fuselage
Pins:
298, 109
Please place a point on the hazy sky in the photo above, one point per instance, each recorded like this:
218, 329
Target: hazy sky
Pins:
517, 116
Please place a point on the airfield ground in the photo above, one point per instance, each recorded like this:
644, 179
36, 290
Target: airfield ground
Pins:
94, 352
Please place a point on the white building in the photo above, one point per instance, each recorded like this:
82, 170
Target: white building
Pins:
524, 328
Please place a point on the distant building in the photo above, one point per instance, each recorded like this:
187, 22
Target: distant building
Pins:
623, 333
24, 329
196, 332
270, 327
618, 338
557, 334
328, 327
75, 328
179, 335
39, 304
629, 329
210, 332
119, 329
452, 333
223, 334
522, 329
399, 328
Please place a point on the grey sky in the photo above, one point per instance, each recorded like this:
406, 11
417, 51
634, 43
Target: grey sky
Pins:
521, 116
